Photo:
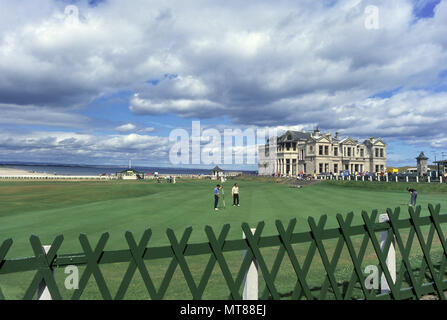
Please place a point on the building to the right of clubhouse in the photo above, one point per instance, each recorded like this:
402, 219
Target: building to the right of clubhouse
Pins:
299, 152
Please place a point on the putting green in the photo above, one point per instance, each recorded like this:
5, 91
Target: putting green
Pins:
48, 209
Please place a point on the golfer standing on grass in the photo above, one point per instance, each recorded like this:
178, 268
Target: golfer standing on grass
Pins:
414, 195
216, 196
235, 194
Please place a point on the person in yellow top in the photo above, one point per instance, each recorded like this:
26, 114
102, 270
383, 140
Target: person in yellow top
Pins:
235, 194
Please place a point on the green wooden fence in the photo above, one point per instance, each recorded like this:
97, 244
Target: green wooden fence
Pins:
417, 230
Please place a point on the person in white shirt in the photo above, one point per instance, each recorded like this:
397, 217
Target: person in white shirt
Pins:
235, 194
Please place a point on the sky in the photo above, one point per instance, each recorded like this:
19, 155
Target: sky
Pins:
102, 82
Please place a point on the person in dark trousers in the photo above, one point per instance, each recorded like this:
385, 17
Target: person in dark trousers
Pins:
414, 196
235, 193
216, 196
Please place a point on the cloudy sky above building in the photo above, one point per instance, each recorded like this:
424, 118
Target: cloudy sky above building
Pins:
101, 82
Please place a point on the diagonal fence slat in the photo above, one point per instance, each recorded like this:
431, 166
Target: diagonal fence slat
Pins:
4, 248
355, 238
369, 225
137, 262
415, 215
285, 239
93, 257
356, 259
329, 266
254, 248
436, 220
405, 251
361, 255
216, 247
212, 260
44, 263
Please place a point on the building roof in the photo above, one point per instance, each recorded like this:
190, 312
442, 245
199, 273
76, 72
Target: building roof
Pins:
216, 168
294, 136
130, 170
422, 156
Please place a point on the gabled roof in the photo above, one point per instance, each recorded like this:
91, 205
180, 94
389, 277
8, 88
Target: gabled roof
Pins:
321, 138
130, 170
294, 135
349, 140
216, 168
422, 156
379, 141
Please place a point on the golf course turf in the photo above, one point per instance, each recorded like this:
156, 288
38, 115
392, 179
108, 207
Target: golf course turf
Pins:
48, 209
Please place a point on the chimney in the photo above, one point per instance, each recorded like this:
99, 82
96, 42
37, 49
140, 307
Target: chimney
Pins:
372, 139
316, 132
336, 136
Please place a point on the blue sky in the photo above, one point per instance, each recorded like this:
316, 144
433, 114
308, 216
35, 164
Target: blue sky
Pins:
111, 83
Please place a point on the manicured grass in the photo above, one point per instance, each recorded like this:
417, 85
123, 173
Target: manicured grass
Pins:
48, 209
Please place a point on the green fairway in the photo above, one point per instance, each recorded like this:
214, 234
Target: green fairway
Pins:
48, 209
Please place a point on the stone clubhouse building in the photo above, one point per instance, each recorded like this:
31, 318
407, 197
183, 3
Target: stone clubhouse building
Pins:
300, 152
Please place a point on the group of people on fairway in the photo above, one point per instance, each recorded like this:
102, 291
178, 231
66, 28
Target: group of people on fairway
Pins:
234, 194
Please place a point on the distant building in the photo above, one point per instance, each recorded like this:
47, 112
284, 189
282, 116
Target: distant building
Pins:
313, 152
130, 174
422, 164
217, 172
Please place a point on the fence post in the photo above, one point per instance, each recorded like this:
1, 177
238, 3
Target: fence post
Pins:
406, 178
440, 179
397, 179
417, 179
363, 178
42, 291
390, 258
429, 179
251, 277
387, 179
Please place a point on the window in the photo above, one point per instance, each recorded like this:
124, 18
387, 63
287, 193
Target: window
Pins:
321, 168
377, 167
349, 152
335, 167
311, 148
294, 146
376, 152
362, 153
320, 150
335, 152
326, 150
381, 153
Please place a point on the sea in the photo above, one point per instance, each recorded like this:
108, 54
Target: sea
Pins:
90, 170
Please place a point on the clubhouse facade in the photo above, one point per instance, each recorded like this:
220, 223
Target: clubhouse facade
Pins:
300, 152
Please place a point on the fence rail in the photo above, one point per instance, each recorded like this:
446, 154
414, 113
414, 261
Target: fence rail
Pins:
389, 178
421, 229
